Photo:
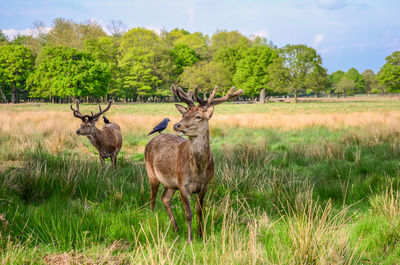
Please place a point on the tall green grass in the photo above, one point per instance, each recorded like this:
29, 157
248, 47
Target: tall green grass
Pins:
309, 196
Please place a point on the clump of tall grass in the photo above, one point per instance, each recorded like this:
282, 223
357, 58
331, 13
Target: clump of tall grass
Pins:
387, 204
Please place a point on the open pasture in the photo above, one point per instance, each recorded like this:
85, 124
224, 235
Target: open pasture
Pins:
306, 183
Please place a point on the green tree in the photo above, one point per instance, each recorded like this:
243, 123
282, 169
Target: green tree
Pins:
71, 34
183, 56
139, 60
205, 75
223, 38
105, 49
358, 79
251, 73
3, 38
67, 72
317, 81
16, 63
371, 81
389, 74
297, 67
345, 86
197, 41
334, 78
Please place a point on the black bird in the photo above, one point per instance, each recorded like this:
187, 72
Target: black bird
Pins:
106, 121
160, 127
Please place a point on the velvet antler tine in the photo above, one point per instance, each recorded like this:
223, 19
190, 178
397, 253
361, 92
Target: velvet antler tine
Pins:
201, 101
210, 99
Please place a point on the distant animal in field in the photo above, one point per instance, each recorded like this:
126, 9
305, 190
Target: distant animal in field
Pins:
185, 164
108, 140
106, 121
160, 127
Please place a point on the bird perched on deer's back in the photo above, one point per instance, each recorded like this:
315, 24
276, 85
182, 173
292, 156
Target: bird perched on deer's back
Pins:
160, 127
106, 121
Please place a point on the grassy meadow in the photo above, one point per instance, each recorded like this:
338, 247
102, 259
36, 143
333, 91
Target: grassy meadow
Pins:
308, 183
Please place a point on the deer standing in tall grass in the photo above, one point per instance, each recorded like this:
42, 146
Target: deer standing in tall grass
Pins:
108, 140
184, 164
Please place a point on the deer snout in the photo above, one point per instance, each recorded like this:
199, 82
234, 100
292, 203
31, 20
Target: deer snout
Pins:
78, 131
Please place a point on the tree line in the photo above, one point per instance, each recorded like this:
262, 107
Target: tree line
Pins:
80, 60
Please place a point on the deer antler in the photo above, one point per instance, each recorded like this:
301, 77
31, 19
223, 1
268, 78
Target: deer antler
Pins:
79, 115
211, 101
76, 111
185, 97
94, 116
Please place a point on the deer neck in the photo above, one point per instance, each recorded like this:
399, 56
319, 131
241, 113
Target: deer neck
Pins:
199, 150
96, 138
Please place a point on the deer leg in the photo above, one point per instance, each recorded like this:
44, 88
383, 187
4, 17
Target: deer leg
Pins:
103, 164
154, 188
166, 199
199, 212
114, 160
186, 203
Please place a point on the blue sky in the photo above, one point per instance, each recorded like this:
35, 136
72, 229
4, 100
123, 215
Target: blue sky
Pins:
357, 33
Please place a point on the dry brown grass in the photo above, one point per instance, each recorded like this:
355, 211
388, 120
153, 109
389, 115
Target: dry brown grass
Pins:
298, 121
55, 131
52, 122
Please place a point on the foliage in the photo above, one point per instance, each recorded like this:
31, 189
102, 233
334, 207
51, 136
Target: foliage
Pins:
206, 75
3, 38
67, 72
298, 67
334, 78
183, 56
106, 50
139, 51
71, 34
16, 63
371, 82
251, 73
345, 86
142, 63
358, 79
223, 38
389, 75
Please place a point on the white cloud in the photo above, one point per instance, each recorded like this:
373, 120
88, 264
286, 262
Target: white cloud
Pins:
12, 33
318, 39
261, 33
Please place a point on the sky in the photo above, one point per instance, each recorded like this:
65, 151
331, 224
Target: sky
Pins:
346, 33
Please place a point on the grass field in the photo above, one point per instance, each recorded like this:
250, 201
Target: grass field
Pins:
306, 183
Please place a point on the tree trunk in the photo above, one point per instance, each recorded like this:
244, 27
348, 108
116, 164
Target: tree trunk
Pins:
3, 96
262, 96
13, 95
295, 96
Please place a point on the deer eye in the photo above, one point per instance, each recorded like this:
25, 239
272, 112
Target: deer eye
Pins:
198, 117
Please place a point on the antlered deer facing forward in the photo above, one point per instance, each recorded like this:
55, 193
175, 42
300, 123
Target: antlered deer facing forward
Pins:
108, 140
185, 164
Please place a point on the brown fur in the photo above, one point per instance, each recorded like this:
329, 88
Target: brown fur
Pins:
183, 164
107, 141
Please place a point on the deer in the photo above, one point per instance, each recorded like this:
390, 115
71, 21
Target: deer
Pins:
107, 141
185, 164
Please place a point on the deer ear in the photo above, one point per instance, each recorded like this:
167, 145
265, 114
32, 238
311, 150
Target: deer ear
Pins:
181, 108
209, 112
